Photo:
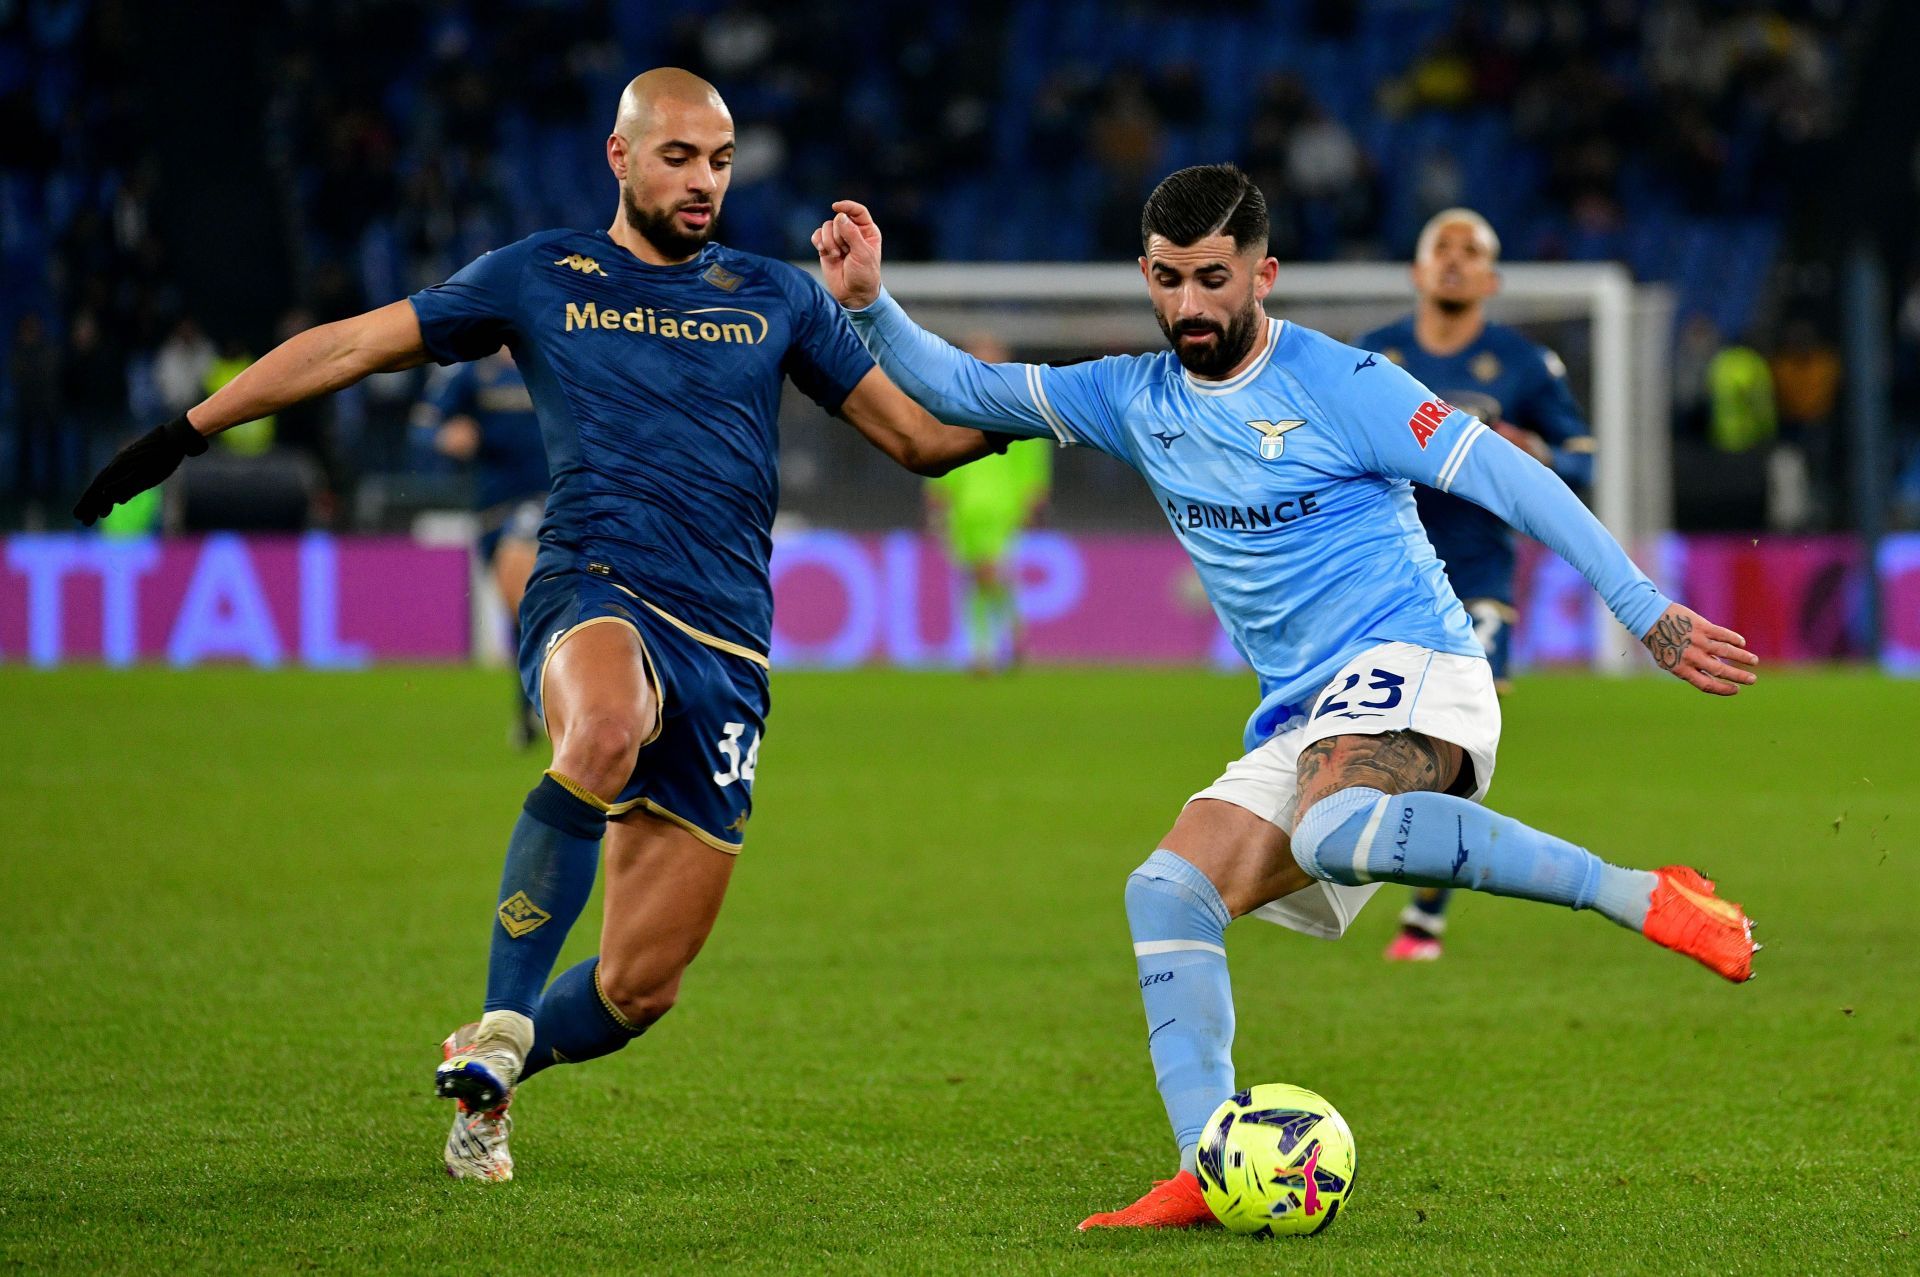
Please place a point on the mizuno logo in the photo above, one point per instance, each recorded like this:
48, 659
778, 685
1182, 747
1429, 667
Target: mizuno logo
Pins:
1166, 438
1368, 362
585, 265
1273, 437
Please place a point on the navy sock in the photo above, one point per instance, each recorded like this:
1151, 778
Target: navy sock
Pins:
575, 1021
551, 860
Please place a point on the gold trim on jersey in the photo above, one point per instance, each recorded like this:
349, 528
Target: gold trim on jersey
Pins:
697, 635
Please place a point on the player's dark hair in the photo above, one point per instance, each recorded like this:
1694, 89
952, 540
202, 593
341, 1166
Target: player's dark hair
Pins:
1207, 199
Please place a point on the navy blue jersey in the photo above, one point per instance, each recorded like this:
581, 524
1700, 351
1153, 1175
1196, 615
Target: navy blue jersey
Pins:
658, 393
511, 464
1500, 376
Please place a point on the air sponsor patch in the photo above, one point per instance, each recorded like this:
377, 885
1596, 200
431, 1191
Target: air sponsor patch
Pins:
1427, 418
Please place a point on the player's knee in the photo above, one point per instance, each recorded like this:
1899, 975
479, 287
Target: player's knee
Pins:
599, 752
640, 995
1328, 836
1167, 886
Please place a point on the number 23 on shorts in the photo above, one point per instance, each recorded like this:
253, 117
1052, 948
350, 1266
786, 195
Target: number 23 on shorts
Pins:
1384, 681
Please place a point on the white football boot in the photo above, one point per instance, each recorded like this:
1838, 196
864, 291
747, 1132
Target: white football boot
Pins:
477, 1144
478, 1074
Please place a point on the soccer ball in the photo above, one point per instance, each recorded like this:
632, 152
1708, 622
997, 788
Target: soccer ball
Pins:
1276, 1160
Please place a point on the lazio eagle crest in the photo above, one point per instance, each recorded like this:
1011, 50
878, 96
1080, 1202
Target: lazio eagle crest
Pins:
1273, 437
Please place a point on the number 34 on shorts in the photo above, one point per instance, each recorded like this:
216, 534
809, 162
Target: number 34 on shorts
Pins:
736, 764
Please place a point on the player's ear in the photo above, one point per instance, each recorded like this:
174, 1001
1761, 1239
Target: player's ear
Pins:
1145, 272
1493, 282
1263, 276
617, 155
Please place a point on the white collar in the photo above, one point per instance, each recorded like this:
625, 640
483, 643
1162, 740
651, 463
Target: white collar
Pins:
1242, 379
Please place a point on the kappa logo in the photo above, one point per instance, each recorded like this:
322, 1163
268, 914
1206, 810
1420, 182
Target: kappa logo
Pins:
582, 263
739, 825
1426, 419
520, 915
1273, 437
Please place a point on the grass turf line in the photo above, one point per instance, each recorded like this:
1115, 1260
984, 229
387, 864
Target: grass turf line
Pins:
245, 907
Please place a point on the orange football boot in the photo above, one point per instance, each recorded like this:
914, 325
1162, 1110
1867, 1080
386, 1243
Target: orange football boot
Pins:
1687, 917
1170, 1203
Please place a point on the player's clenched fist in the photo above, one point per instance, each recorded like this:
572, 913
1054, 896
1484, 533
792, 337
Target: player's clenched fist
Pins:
849, 247
142, 464
1711, 657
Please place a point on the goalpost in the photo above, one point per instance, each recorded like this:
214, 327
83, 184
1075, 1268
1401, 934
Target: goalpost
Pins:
1614, 335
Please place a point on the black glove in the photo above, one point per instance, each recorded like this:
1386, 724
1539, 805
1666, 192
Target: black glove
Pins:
142, 464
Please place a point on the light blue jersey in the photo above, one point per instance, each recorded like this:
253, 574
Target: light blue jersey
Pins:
1289, 484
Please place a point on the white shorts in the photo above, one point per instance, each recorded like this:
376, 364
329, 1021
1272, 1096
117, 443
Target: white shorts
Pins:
1391, 688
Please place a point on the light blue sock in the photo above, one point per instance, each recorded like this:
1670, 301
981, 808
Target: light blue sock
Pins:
1179, 923
1436, 840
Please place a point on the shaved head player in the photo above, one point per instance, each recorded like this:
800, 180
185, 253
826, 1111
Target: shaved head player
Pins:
655, 359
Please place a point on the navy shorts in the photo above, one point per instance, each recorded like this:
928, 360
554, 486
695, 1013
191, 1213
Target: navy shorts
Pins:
697, 769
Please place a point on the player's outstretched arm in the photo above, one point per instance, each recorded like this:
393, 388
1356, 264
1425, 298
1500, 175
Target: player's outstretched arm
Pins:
312, 363
910, 434
1498, 476
1401, 429
1026, 400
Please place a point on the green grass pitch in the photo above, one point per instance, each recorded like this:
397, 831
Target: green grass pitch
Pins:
242, 909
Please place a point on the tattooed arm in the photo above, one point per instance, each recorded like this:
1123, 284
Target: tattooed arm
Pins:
1711, 657
1392, 762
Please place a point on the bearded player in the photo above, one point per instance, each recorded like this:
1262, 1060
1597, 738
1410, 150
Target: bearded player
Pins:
1520, 391
1284, 461
655, 359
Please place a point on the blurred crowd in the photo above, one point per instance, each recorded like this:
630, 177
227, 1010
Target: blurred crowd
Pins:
404, 137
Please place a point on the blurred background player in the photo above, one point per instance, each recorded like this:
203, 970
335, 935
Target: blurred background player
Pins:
481, 415
1520, 390
980, 510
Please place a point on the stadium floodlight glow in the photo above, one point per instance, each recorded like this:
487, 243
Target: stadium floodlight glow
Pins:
1099, 308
